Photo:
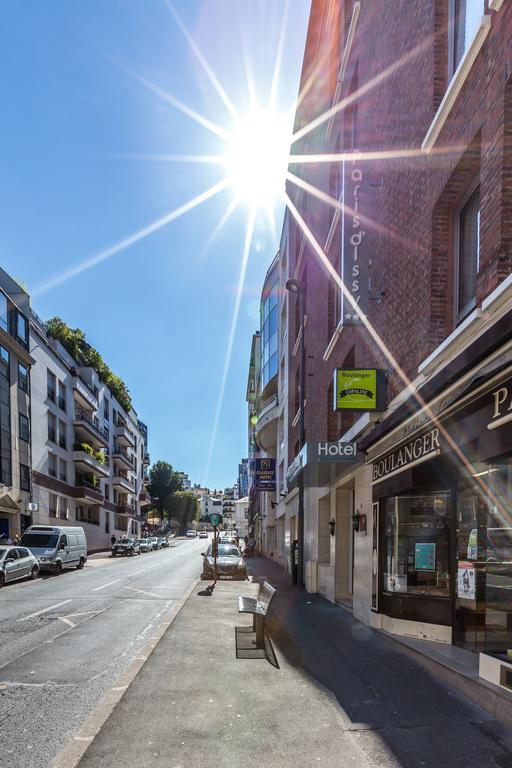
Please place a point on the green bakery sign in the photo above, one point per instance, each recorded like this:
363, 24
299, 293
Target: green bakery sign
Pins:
359, 389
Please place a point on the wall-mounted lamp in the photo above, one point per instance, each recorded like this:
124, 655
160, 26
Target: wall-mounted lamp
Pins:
332, 526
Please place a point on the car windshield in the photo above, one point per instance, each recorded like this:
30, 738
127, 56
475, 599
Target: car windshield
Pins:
143, 541
40, 540
226, 551
126, 541
3, 551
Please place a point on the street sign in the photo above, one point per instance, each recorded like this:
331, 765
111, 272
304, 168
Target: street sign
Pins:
215, 519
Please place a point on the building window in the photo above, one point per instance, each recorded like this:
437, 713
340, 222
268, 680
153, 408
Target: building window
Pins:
52, 505
63, 508
52, 465
62, 434
89, 515
22, 329
3, 312
50, 385
63, 471
24, 428
22, 377
62, 396
465, 20
106, 492
52, 427
269, 332
5, 419
467, 253
24, 477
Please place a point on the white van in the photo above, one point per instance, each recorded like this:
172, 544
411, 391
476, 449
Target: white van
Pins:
56, 547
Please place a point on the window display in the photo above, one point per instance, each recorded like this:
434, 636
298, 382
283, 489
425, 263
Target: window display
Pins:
417, 544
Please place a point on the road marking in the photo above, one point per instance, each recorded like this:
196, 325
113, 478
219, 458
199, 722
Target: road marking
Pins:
143, 592
106, 585
136, 573
67, 621
44, 610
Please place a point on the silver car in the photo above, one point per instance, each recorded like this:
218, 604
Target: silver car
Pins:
17, 563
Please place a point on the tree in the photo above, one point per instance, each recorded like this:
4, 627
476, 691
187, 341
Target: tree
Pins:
164, 482
184, 507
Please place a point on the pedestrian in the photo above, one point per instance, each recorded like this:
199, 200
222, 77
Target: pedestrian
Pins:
17, 540
9, 540
112, 539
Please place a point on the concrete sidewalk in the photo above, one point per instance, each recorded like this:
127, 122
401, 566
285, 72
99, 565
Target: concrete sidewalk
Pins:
342, 696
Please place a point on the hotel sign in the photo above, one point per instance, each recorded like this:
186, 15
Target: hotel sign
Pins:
359, 389
265, 474
420, 449
337, 452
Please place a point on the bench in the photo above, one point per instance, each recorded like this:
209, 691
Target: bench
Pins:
258, 607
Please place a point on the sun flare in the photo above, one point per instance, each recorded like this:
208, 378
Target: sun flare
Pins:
257, 157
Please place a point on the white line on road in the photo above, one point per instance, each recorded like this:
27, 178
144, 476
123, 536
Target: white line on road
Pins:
143, 592
136, 573
67, 621
44, 610
104, 586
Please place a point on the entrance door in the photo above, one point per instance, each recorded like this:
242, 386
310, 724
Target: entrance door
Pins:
4, 528
344, 544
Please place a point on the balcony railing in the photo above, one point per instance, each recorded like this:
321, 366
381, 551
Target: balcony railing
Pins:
93, 422
121, 455
81, 456
84, 393
124, 482
87, 491
123, 433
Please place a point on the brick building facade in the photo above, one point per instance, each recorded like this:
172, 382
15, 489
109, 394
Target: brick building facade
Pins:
408, 107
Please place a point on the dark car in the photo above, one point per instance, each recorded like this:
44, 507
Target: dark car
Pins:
126, 547
230, 563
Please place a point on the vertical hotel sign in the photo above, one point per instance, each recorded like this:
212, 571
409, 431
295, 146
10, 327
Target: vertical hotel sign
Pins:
355, 259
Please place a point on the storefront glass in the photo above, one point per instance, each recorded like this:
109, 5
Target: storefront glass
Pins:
417, 544
484, 558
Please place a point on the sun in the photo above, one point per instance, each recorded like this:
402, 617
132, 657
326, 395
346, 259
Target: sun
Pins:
256, 157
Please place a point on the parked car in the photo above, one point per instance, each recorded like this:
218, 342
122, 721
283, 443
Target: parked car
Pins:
191, 534
154, 542
56, 547
163, 542
126, 547
230, 563
17, 563
203, 534
144, 545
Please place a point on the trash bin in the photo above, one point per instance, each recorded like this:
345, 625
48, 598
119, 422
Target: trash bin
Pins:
294, 549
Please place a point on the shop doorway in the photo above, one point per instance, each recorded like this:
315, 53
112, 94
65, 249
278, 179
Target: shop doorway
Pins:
344, 562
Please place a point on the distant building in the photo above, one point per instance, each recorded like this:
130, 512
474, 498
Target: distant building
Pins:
241, 516
243, 478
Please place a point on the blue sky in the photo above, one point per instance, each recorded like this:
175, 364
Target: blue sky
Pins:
76, 133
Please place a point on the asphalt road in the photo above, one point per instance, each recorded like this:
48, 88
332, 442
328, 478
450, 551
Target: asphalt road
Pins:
65, 640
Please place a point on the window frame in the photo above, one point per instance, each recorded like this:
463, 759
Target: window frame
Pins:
22, 486
461, 314
23, 377
22, 416
452, 66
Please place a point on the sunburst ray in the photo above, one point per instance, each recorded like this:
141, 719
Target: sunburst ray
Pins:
107, 253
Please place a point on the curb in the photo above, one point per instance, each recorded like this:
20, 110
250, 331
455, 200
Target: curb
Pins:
72, 754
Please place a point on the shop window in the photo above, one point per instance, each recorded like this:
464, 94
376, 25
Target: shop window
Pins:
417, 544
467, 252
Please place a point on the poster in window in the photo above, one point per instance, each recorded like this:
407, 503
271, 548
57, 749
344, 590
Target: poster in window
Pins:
466, 580
424, 557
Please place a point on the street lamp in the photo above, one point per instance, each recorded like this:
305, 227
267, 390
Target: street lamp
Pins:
299, 288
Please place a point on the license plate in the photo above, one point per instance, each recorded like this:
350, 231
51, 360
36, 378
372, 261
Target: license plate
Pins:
224, 577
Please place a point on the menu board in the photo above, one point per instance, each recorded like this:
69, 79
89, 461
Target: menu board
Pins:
425, 557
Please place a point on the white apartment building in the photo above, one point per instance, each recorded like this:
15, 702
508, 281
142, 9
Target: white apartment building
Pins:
88, 454
242, 516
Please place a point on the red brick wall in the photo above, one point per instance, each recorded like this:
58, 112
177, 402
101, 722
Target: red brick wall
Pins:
401, 55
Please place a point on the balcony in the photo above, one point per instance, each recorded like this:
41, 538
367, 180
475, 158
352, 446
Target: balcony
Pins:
266, 426
144, 499
124, 436
126, 509
84, 396
88, 429
85, 463
123, 457
126, 485
84, 491
146, 460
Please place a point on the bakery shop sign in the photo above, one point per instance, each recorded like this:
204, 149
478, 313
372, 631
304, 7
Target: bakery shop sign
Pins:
419, 449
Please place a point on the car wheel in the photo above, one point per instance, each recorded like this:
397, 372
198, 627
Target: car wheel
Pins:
114, 554
2, 580
81, 563
58, 569
131, 552
34, 573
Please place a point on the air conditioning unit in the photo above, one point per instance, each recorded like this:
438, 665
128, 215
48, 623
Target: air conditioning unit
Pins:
312, 576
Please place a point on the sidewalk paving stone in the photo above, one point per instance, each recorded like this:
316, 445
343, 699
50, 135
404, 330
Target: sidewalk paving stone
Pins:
342, 696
